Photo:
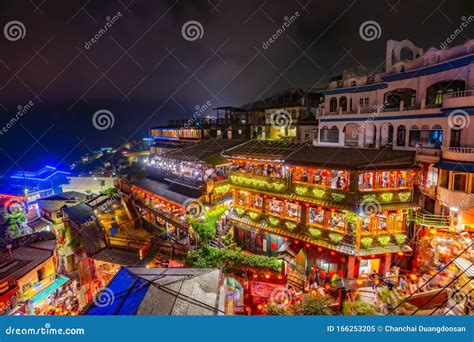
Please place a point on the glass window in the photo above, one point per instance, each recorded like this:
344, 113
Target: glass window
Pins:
333, 105
401, 135
339, 180
316, 216
444, 179
257, 202
459, 181
330, 135
426, 138
276, 207
337, 220
293, 211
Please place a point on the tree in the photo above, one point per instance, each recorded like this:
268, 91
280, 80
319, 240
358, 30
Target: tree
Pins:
310, 305
15, 220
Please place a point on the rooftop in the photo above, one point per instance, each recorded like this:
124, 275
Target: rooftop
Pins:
352, 158
27, 254
178, 195
163, 291
259, 149
42, 174
208, 151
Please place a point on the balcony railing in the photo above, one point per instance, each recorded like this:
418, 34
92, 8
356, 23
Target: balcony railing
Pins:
429, 220
459, 149
458, 94
271, 184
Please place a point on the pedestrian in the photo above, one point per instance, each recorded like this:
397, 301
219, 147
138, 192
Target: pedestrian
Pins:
373, 277
402, 284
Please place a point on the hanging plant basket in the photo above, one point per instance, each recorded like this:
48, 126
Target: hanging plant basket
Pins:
384, 240
335, 238
366, 242
315, 233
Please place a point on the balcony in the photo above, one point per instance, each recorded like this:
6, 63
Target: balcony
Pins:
459, 99
461, 154
429, 220
270, 184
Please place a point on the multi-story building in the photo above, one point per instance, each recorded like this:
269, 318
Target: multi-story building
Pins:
343, 211
228, 123
423, 102
290, 115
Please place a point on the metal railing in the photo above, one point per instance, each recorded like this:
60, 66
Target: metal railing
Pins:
419, 289
430, 220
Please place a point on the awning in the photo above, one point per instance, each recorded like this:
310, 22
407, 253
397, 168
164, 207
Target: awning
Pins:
465, 266
455, 166
56, 284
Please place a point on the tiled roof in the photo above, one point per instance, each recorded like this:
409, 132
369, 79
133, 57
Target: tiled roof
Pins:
259, 149
208, 151
352, 158
163, 291
166, 191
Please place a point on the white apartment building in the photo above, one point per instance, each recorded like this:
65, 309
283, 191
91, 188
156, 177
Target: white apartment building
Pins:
424, 102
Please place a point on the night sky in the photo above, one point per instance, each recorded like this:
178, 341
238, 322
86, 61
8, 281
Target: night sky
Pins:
144, 72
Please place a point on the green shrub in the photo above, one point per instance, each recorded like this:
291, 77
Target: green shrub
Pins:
335, 238
315, 233
384, 240
367, 241
400, 238
231, 260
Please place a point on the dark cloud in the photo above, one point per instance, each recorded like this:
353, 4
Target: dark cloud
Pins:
146, 73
